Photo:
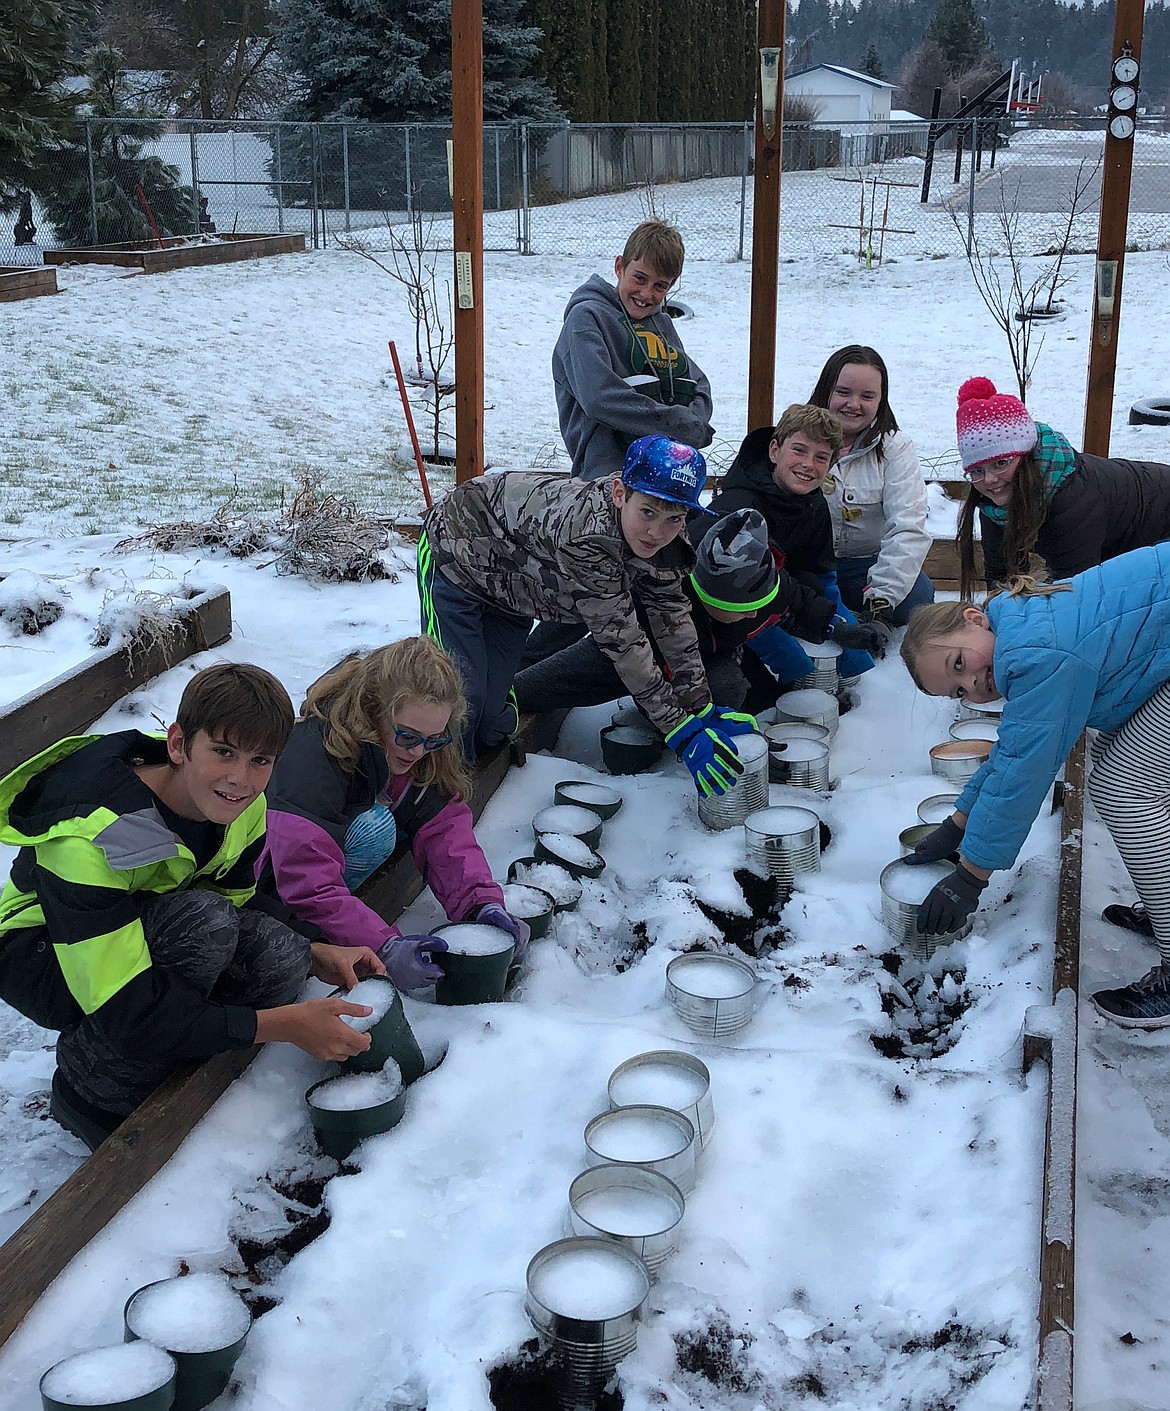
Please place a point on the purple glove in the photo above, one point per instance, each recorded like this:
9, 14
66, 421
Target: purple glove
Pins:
408, 960
494, 915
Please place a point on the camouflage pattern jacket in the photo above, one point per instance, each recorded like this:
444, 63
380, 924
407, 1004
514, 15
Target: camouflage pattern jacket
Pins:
551, 547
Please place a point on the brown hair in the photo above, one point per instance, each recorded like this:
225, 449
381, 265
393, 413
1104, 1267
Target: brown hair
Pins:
802, 418
885, 423
358, 702
659, 245
242, 705
1026, 512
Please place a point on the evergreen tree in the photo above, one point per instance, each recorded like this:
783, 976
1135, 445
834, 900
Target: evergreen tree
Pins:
120, 166
34, 114
959, 32
872, 64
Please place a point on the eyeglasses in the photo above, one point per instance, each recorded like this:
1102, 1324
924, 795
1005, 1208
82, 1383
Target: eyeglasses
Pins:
996, 467
410, 740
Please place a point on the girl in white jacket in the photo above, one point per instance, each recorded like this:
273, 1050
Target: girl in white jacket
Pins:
876, 494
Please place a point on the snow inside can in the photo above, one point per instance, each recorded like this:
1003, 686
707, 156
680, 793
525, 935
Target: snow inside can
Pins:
585, 1298
975, 710
749, 792
802, 764
957, 760
644, 1134
823, 676
667, 1077
784, 841
936, 808
714, 995
809, 704
904, 889
909, 838
126, 1377
636, 1207
202, 1322
981, 727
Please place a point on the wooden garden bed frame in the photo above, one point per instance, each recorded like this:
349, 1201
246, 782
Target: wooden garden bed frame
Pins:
25, 282
942, 560
177, 253
75, 699
107, 1180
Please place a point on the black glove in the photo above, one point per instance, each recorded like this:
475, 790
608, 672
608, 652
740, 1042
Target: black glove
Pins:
876, 610
949, 904
939, 845
871, 637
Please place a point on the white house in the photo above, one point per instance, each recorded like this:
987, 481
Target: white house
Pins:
842, 95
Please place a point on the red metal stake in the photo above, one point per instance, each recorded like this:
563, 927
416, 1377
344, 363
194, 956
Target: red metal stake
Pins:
418, 460
145, 204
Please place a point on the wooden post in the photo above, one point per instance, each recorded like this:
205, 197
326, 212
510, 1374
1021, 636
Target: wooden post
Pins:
467, 221
766, 215
1118, 166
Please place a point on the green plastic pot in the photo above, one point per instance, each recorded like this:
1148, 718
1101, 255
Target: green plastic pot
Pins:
199, 1376
582, 793
539, 923
391, 1037
592, 869
161, 1398
633, 751
472, 979
521, 865
340, 1130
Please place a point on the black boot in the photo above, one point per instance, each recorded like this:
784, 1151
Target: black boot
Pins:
1130, 918
90, 1124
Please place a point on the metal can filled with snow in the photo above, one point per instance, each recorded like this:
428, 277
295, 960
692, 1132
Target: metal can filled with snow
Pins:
571, 819
585, 1298
749, 792
957, 760
638, 1208
475, 963
347, 1109
783, 841
981, 710
823, 676
712, 994
819, 707
667, 1077
904, 889
804, 764
936, 808
909, 838
778, 737
134, 1376
603, 801
644, 1134
202, 1322
981, 727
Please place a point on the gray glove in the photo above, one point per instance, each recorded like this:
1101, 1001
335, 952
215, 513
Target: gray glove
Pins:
871, 637
939, 845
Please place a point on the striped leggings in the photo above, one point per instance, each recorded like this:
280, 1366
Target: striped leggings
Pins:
1130, 789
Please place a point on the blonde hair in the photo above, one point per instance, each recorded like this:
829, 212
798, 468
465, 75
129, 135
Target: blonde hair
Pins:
817, 423
357, 702
658, 244
931, 622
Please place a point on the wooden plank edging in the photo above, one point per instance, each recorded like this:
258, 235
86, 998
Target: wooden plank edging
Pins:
107, 1180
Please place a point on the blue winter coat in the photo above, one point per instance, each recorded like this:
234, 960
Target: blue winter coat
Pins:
1090, 656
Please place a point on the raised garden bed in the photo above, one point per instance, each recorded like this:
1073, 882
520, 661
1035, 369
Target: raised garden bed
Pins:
74, 700
179, 252
25, 282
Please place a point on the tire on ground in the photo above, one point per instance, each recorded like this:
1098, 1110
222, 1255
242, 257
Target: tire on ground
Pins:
1151, 411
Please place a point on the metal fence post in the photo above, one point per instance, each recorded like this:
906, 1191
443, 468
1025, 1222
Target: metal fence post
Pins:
313, 193
409, 199
499, 196
525, 204
279, 183
345, 169
93, 217
194, 179
745, 162
971, 192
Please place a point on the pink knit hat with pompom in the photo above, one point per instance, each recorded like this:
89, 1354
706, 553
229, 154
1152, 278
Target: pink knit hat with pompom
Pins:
991, 424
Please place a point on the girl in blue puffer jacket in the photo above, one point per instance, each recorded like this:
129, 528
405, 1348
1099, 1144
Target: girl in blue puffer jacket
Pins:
1091, 651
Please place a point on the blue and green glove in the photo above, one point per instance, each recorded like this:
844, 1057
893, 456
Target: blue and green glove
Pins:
734, 722
705, 747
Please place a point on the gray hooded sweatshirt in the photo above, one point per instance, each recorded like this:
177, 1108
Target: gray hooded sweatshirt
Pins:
600, 413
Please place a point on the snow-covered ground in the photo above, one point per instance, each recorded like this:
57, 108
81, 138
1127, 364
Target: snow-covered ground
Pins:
865, 1227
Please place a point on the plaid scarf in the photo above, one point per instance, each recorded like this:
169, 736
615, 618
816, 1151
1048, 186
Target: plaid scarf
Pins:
1056, 461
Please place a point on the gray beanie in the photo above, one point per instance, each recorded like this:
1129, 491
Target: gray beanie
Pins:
734, 567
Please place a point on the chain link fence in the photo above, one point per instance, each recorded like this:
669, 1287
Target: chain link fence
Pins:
578, 189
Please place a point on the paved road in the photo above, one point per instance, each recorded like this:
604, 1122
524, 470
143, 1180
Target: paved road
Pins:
1041, 178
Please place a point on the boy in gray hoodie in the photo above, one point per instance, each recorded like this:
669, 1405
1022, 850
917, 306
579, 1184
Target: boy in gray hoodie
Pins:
612, 335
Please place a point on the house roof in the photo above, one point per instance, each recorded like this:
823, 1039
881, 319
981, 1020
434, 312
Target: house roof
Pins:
849, 73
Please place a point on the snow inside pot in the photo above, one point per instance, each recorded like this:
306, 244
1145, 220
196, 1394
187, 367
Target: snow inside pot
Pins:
475, 963
936, 808
572, 854
909, 838
904, 889
134, 1376
749, 792
585, 1298
568, 818
638, 1208
202, 1322
712, 994
802, 763
982, 727
957, 760
562, 886
644, 1134
531, 905
667, 1077
981, 710
783, 841
778, 737
390, 1033
630, 749
347, 1109
604, 801
820, 707
823, 676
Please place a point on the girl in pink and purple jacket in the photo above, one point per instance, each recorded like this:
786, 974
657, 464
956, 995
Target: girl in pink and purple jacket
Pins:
369, 771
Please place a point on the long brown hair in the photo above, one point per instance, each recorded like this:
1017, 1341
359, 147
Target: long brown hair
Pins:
1026, 512
885, 423
358, 702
